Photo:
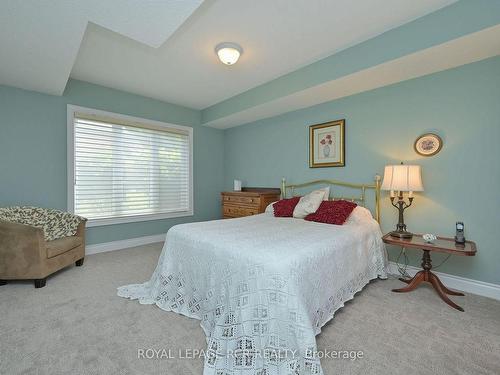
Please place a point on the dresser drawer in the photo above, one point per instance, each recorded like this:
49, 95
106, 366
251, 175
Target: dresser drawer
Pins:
235, 211
246, 203
250, 201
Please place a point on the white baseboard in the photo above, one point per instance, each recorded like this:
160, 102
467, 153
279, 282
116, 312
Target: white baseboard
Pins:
456, 282
123, 244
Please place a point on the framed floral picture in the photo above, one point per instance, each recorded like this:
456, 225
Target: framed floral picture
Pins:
327, 144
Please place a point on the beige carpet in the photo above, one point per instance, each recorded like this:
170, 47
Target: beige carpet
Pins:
77, 325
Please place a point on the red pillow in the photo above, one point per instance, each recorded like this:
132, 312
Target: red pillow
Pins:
332, 212
284, 207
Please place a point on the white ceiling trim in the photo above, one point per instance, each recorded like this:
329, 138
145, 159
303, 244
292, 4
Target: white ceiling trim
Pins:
468, 49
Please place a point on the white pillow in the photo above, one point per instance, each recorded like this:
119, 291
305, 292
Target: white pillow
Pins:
327, 193
309, 203
270, 207
359, 215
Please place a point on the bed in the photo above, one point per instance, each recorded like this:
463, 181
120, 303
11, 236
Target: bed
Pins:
264, 286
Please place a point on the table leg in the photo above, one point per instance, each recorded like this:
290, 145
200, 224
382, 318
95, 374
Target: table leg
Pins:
412, 284
445, 289
436, 283
427, 275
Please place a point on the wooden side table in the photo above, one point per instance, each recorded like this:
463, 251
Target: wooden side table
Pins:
440, 245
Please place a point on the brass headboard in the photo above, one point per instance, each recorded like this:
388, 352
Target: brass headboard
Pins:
359, 199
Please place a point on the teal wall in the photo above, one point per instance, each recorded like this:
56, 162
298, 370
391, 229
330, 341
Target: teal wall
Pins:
33, 151
461, 182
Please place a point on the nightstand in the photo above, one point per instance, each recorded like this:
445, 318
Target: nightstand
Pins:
249, 201
440, 245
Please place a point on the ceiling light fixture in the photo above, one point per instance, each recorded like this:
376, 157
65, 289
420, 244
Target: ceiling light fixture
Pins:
228, 53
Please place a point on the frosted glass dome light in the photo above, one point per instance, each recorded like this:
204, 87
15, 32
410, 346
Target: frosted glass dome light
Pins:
228, 53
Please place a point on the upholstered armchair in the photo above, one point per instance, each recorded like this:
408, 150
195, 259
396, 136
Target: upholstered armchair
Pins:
34, 243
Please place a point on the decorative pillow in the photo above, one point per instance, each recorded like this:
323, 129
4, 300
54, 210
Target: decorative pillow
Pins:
309, 203
332, 212
284, 207
359, 215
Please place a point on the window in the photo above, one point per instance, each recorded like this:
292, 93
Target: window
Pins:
124, 169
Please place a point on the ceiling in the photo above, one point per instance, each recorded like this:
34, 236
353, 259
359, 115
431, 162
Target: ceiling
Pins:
166, 50
39, 40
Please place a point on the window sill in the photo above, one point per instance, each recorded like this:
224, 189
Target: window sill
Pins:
134, 219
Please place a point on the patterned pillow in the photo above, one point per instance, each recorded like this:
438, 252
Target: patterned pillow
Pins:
55, 224
332, 212
285, 207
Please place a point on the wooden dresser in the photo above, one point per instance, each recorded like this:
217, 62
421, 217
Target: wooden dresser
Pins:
249, 201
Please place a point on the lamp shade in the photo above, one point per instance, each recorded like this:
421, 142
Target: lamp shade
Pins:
402, 178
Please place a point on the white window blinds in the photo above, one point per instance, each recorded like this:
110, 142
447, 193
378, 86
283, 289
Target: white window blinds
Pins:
128, 170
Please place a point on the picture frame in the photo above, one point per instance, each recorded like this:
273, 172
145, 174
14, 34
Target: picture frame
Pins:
327, 144
428, 144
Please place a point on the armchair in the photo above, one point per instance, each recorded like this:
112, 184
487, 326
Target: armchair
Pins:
25, 254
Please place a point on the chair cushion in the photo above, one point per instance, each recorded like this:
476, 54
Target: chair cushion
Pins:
55, 224
60, 246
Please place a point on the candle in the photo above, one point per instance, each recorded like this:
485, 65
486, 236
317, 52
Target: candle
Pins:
392, 193
410, 194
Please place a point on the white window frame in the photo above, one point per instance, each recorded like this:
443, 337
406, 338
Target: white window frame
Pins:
71, 110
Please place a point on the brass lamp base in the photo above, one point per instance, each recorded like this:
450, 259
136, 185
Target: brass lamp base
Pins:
401, 234
400, 231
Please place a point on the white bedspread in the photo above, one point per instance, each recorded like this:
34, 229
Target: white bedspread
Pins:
262, 286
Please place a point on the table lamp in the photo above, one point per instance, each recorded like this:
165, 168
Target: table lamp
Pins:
402, 178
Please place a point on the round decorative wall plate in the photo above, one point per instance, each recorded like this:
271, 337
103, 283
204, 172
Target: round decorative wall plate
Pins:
428, 144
